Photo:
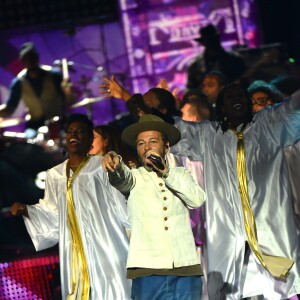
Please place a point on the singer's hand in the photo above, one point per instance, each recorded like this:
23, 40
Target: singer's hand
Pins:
160, 172
111, 161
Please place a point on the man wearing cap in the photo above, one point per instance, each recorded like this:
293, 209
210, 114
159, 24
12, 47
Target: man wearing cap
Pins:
214, 57
263, 94
162, 258
43, 92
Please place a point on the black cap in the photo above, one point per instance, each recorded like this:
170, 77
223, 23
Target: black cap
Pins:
208, 32
26, 48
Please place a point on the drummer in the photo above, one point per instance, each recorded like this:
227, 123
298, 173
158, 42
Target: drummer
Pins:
44, 93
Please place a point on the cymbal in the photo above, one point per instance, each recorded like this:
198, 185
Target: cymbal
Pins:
9, 122
44, 67
87, 101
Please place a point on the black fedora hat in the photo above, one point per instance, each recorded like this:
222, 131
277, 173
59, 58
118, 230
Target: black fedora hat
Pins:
150, 122
208, 32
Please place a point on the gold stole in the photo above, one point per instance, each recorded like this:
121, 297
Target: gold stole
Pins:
80, 274
275, 265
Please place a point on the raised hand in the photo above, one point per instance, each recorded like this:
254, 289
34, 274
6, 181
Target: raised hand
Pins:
112, 88
163, 84
157, 163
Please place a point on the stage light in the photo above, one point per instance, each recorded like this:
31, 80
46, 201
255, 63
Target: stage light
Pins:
34, 278
40, 180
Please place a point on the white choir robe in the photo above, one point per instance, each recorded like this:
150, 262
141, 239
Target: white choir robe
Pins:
292, 156
269, 192
101, 212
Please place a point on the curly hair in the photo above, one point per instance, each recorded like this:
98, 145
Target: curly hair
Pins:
221, 117
83, 119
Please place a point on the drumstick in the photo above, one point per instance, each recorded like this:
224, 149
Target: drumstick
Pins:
65, 70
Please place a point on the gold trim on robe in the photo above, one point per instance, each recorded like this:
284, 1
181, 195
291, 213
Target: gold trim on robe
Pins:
277, 266
80, 273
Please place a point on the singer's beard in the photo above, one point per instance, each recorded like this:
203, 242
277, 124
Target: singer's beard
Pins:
143, 163
148, 168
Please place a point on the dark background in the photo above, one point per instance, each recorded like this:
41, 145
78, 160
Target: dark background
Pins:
280, 22
279, 19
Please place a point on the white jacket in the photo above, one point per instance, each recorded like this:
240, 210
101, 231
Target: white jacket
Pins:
161, 234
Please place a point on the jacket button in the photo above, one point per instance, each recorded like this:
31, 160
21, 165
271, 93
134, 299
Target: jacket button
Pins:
166, 228
163, 191
165, 218
161, 184
165, 198
165, 208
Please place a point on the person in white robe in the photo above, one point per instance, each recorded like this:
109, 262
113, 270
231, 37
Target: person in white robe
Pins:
263, 95
252, 241
87, 217
195, 107
292, 156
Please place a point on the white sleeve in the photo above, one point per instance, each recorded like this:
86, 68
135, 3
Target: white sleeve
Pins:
121, 205
182, 183
122, 179
282, 121
42, 224
191, 143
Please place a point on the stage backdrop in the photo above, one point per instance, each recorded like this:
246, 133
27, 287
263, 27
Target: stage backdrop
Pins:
159, 34
93, 50
152, 40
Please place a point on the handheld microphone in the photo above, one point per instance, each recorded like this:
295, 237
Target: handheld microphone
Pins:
157, 161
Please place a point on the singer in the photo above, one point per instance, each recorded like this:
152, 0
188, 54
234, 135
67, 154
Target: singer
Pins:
162, 258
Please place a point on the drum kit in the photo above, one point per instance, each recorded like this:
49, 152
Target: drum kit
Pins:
48, 136
27, 153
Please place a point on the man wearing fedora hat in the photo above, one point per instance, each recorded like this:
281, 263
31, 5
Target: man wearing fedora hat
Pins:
162, 259
214, 58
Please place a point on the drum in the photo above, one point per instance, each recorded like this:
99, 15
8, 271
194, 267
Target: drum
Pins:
50, 136
29, 158
55, 128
